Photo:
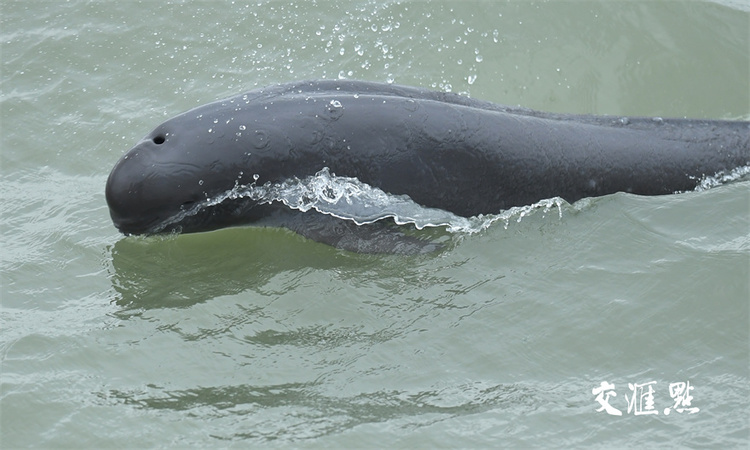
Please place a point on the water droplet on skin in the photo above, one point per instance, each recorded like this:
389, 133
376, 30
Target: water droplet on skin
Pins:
260, 139
411, 105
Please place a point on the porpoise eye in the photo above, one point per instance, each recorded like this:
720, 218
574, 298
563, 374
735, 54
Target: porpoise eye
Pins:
158, 140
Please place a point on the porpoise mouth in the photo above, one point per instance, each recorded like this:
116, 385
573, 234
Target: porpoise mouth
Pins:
137, 226
193, 217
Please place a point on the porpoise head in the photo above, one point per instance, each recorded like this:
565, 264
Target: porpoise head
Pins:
166, 182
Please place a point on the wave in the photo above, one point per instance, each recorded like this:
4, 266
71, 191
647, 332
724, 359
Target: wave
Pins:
350, 199
723, 177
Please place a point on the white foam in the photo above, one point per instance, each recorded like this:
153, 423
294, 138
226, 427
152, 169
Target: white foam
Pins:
350, 199
717, 179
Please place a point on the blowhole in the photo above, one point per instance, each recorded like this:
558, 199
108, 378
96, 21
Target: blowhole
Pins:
158, 140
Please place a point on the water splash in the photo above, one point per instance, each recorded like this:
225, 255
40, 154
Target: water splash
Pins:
350, 199
723, 177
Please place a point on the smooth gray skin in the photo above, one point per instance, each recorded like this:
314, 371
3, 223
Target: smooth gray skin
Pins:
443, 150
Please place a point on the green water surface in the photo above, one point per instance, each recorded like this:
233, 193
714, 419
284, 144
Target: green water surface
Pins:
255, 337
